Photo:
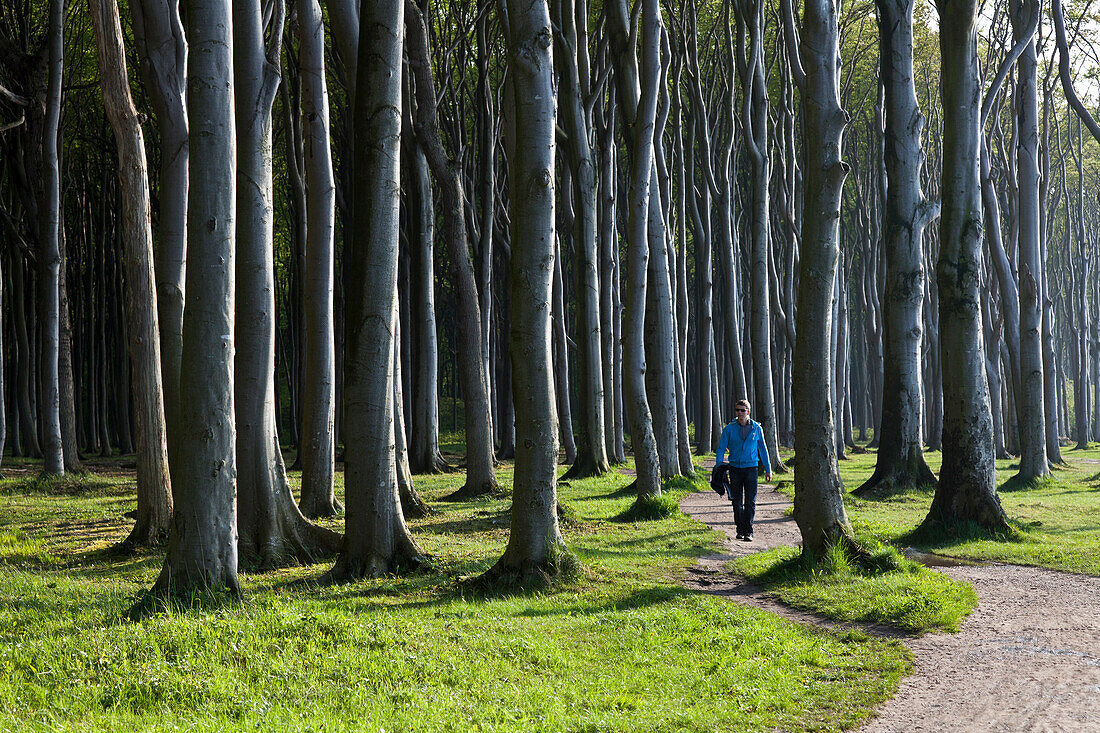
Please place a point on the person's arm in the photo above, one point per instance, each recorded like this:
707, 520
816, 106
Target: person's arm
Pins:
723, 446
762, 451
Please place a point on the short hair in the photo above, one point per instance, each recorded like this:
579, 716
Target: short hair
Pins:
743, 403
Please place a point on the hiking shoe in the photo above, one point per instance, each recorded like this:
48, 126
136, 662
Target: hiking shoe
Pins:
746, 537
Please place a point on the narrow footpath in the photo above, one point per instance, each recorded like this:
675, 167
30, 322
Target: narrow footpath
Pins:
1027, 659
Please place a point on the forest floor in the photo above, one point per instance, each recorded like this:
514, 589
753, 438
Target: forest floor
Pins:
1027, 659
623, 648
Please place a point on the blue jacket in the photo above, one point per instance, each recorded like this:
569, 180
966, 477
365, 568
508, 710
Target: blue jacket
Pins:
748, 453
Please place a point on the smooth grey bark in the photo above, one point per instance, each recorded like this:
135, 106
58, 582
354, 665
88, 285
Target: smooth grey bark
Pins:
272, 530
154, 486
480, 470
818, 503
202, 543
967, 488
412, 505
754, 120
24, 392
662, 361
536, 552
561, 363
425, 456
638, 104
900, 463
162, 48
609, 267
1031, 396
317, 438
660, 334
49, 254
571, 57
377, 540
705, 412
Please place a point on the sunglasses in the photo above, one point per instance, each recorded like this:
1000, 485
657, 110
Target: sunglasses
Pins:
740, 409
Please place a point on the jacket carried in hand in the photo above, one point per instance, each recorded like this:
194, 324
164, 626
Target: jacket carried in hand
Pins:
748, 453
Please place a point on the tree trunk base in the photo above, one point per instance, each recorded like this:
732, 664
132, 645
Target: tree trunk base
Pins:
517, 576
956, 515
413, 505
833, 536
649, 508
437, 465
475, 490
144, 534
897, 478
585, 466
321, 509
373, 565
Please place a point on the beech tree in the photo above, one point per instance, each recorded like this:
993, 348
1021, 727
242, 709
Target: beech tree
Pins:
536, 552
967, 489
317, 438
818, 503
377, 541
202, 543
900, 463
49, 252
154, 486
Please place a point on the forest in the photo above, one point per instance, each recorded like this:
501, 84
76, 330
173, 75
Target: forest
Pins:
412, 329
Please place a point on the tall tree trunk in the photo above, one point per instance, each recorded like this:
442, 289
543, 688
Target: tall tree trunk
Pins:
900, 463
412, 505
158, 32
571, 58
154, 486
967, 489
66, 385
272, 530
536, 552
425, 457
480, 471
818, 503
638, 103
49, 253
1033, 454
560, 367
317, 440
377, 539
755, 121
609, 311
24, 390
660, 339
202, 544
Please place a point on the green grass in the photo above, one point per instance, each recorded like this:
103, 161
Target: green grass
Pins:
885, 589
622, 647
1056, 521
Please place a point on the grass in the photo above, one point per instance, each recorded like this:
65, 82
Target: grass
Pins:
1056, 521
885, 589
623, 647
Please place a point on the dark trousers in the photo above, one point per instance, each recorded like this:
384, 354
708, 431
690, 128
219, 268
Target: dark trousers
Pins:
742, 492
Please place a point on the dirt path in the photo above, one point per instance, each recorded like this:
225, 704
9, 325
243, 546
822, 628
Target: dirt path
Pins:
1028, 659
